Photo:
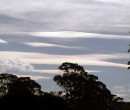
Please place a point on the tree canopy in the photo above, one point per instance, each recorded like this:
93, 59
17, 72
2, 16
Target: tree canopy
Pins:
83, 90
11, 84
24, 93
5, 81
24, 86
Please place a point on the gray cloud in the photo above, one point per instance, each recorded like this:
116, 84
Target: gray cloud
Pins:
13, 24
122, 91
89, 16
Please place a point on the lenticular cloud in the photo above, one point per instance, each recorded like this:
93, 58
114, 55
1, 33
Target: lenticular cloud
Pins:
11, 65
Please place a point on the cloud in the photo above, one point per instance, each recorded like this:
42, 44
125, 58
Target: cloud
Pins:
122, 91
90, 59
59, 72
68, 19
122, 88
72, 34
119, 89
9, 65
126, 2
121, 95
3, 41
34, 77
75, 15
47, 71
36, 44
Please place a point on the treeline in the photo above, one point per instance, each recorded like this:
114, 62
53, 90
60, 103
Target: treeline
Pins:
80, 91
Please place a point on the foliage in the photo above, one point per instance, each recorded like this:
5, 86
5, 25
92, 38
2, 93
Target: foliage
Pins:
5, 81
24, 85
26, 93
82, 90
11, 84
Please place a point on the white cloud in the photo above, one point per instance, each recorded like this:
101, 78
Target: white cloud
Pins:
47, 71
34, 77
3, 41
72, 34
90, 59
9, 65
36, 44
121, 95
59, 72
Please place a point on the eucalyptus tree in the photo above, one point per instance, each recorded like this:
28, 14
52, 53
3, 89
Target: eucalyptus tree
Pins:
82, 90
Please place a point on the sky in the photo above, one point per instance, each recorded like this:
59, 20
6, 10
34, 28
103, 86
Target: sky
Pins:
37, 36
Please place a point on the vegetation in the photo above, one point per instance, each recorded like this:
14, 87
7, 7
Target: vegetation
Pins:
24, 93
80, 91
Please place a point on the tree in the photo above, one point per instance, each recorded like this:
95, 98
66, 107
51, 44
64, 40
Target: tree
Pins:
5, 81
82, 90
26, 93
11, 84
25, 86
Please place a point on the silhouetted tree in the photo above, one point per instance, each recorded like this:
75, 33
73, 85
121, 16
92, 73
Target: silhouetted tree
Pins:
24, 93
11, 84
25, 86
82, 90
5, 81
122, 106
